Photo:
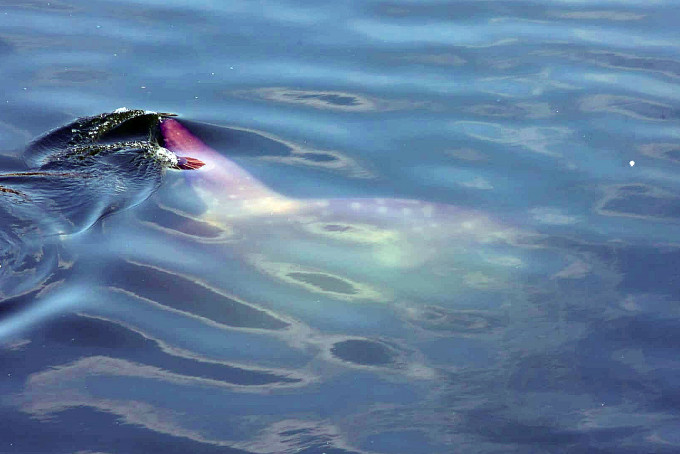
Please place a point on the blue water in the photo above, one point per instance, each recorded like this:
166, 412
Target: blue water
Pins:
539, 313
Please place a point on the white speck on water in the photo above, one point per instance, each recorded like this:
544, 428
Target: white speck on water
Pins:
231, 67
142, 86
632, 163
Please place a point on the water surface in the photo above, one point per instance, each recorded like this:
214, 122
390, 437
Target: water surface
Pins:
551, 327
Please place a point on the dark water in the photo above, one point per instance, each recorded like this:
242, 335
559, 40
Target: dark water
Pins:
528, 303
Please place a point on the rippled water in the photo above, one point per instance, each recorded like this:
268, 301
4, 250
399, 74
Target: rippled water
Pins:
469, 240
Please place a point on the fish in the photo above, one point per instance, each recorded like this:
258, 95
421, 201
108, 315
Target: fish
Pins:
169, 269
344, 248
357, 249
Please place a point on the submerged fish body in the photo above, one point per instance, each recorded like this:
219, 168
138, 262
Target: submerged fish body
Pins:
230, 192
336, 249
221, 247
318, 244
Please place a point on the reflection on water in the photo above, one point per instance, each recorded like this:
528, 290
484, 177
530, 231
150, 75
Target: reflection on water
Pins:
639, 200
331, 100
190, 297
637, 108
417, 230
